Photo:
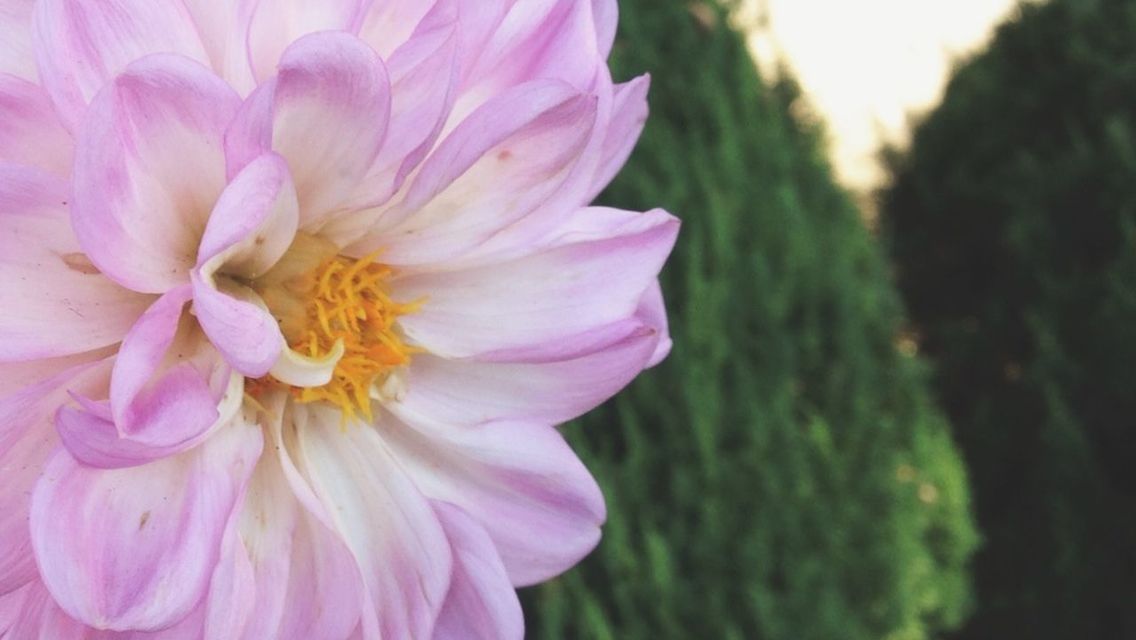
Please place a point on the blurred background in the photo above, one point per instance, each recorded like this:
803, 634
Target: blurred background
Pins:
904, 308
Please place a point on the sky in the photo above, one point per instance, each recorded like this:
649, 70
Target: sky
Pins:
867, 64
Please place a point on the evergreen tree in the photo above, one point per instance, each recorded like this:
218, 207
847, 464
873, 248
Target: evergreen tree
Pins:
1013, 223
783, 475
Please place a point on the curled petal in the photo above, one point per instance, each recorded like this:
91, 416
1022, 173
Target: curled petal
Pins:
481, 604
251, 227
82, 44
136, 548
168, 393
253, 222
326, 113
55, 301
149, 168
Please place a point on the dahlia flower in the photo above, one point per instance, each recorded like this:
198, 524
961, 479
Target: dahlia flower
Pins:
293, 294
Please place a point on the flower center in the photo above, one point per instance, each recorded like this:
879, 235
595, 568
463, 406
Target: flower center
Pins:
339, 301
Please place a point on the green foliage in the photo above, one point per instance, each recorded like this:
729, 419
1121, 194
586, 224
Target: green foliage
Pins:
782, 476
1012, 220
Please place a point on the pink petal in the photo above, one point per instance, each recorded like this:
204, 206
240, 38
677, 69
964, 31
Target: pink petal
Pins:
276, 24
167, 394
149, 169
592, 275
82, 44
254, 221
424, 75
389, 526
307, 582
500, 164
629, 115
326, 113
653, 311
223, 28
390, 25
55, 302
520, 482
252, 226
16, 33
550, 392
136, 548
40, 617
481, 604
26, 440
232, 589
540, 39
606, 14
30, 134
11, 607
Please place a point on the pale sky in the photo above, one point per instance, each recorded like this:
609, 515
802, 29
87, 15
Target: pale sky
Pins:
867, 64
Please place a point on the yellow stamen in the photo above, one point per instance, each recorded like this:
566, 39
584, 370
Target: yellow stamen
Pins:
343, 300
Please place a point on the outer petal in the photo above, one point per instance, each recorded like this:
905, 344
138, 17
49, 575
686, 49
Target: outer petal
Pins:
136, 548
167, 394
149, 169
521, 482
391, 529
26, 441
81, 44
481, 604
592, 275
16, 33
653, 310
500, 164
55, 302
550, 392
606, 14
629, 116
326, 113
307, 582
30, 134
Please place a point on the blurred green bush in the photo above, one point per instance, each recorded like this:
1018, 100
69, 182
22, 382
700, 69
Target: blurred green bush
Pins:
1013, 223
783, 475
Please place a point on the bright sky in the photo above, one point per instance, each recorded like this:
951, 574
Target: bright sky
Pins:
867, 64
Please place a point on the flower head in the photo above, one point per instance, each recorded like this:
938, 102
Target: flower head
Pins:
294, 294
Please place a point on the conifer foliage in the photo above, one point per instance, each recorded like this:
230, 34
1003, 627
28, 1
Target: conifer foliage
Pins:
783, 475
1013, 223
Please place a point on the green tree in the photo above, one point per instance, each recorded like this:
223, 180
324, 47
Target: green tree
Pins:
1013, 221
783, 475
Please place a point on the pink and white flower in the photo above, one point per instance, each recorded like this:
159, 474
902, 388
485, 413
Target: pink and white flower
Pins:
292, 296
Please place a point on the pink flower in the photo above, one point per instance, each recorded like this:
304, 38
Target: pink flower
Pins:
293, 296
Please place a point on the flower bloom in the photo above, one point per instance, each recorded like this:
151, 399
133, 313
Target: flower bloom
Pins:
292, 296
